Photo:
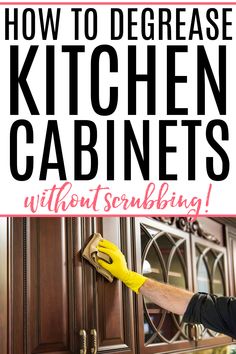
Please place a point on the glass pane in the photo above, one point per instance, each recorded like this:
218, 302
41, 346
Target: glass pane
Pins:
203, 281
218, 282
165, 245
152, 232
198, 254
211, 257
152, 320
182, 252
168, 328
148, 331
210, 276
201, 248
159, 325
152, 266
176, 275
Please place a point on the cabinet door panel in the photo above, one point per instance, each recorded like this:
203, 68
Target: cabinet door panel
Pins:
3, 286
112, 304
48, 290
162, 254
211, 276
44, 279
231, 248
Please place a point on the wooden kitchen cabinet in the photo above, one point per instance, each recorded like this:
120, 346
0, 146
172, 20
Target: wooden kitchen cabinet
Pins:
162, 254
41, 294
189, 256
210, 275
55, 297
231, 249
110, 305
3, 287
51, 298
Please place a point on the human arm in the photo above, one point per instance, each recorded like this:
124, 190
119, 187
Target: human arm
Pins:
216, 313
166, 296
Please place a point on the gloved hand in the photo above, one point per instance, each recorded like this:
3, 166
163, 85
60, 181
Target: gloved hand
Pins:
118, 267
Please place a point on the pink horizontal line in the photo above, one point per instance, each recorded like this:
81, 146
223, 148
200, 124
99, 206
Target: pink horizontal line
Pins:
118, 3
113, 215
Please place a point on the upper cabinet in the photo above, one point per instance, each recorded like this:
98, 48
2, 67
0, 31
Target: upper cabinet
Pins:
41, 295
57, 301
163, 254
189, 256
53, 301
210, 275
231, 252
3, 286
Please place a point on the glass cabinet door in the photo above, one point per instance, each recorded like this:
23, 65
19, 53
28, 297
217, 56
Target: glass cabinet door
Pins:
210, 270
210, 273
176, 253
164, 258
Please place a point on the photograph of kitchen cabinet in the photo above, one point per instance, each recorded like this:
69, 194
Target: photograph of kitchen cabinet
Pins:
53, 301
182, 254
164, 256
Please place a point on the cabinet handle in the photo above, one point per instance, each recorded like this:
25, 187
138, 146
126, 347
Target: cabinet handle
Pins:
192, 332
83, 341
94, 345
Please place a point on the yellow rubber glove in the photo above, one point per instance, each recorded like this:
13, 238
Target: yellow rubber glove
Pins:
118, 267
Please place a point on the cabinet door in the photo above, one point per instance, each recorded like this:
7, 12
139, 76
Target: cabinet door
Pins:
162, 254
42, 294
3, 287
210, 276
109, 305
231, 247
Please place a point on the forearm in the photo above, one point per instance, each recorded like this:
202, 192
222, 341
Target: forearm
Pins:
166, 296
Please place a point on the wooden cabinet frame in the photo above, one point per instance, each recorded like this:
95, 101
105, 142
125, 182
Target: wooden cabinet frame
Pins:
221, 339
49, 292
4, 331
163, 347
41, 281
192, 239
231, 253
114, 323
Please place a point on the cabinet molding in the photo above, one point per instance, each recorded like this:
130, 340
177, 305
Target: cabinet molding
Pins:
114, 306
3, 287
195, 227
